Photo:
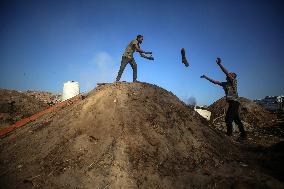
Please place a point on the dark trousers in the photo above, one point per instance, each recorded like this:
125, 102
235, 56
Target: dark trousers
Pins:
234, 115
124, 62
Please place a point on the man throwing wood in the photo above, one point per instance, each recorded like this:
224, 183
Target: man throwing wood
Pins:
127, 57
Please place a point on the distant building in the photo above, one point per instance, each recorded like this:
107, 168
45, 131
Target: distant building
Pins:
272, 103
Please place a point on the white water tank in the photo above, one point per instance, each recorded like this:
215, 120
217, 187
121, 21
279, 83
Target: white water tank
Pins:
70, 89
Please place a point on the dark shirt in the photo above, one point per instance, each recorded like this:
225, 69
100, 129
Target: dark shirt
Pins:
231, 90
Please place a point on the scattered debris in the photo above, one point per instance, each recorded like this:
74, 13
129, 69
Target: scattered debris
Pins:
46, 97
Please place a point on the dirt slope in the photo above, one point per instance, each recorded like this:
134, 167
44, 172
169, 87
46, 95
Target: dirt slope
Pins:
253, 115
44, 96
124, 135
16, 105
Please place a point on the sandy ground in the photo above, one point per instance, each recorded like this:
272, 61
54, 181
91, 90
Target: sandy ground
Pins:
133, 135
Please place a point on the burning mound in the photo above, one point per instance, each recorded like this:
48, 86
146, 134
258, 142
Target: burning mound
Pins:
123, 135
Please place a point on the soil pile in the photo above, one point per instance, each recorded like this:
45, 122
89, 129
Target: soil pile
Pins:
253, 115
16, 105
124, 135
46, 97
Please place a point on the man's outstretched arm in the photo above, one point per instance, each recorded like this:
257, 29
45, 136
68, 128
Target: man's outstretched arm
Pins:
137, 48
211, 80
141, 52
148, 57
219, 62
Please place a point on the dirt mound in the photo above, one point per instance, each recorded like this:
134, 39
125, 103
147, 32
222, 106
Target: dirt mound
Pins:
16, 105
46, 97
253, 115
124, 135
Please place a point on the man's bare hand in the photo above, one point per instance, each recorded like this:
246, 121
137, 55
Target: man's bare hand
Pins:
148, 53
218, 60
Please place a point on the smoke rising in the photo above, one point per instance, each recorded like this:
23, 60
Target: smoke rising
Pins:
191, 101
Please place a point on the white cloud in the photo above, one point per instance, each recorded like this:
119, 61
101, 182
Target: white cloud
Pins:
103, 60
102, 68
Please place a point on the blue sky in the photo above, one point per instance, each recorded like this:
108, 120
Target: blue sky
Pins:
45, 43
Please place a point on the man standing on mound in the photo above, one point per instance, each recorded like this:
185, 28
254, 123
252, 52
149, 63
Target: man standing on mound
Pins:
230, 88
127, 57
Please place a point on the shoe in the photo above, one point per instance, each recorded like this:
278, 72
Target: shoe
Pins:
184, 60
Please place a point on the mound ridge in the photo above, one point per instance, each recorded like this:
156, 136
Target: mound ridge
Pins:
121, 135
253, 115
